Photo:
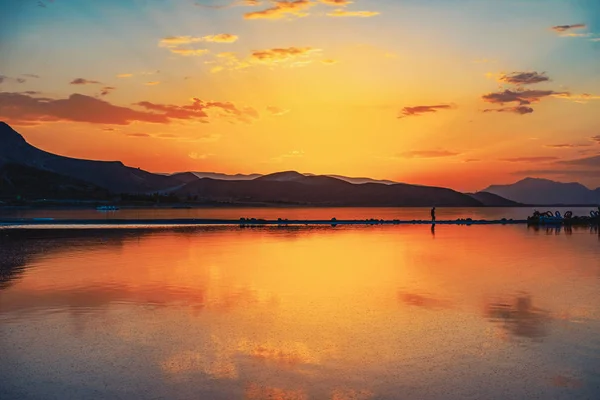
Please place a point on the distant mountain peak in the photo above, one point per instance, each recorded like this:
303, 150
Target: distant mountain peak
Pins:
282, 176
8, 133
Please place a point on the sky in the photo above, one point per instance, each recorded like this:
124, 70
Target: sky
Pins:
452, 93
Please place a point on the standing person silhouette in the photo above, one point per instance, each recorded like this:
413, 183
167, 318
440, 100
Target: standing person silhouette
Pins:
433, 215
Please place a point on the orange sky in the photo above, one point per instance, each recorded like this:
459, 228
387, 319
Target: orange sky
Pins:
416, 92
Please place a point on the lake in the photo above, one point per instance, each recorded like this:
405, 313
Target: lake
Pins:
272, 213
334, 313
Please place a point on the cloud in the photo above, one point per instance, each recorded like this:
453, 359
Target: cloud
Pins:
566, 146
188, 52
427, 154
534, 159
346, 13
221, 38
521, 110
138, 134
472, 160
198, 110
418, 110
524, 78
107, 90
152, 83
83, 81
425, 301
124, 75
31, 76
174, 41
593, 161
339, 3
523, 97
276, 110
4, 78
289, 155
558, 172
282, 9
596, 139
577, 98
566, 28
281, 54
330, 61
19, 108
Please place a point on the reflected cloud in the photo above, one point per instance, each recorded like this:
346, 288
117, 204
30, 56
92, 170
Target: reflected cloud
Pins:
351, 394
290, 354
259, 392
519, 317
423, 300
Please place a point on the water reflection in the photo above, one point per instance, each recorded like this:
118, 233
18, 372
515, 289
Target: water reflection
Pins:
519, 317
300, 313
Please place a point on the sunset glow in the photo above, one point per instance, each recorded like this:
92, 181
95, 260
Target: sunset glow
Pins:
459, 94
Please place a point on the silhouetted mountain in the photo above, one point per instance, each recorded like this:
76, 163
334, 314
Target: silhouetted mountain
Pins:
363, 180
493, 200
111, 175
294, 188
29, 182
546, 192
284, 176
185, 177
226, 177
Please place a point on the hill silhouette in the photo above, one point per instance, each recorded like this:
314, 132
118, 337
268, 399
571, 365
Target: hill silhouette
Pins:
29, 171
546, 192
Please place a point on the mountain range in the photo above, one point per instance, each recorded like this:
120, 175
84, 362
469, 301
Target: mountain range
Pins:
33, 173
546, 192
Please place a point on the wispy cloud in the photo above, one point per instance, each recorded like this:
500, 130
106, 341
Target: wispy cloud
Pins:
524, 78
124, 75
83, 81
420, 110
281, 54
566, 145
347, 13
152, 83
533, 159
273, 110
174, 41
107, 90
521, 110
188, 52
566, 28
282, 9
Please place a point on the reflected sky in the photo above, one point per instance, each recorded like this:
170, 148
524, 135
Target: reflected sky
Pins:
376, 312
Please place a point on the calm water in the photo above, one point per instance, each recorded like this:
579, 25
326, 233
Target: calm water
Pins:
346, 313
406, 213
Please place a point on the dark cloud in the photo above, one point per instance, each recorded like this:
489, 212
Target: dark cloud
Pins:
138, 134
523, 97
418, 110
83, 81
472, 160
524, 78
593, 161
427, 154
18, 108
31, 75
596, 139
198, 109
530, 159
521, 110
107, 90
565, 28
4, 78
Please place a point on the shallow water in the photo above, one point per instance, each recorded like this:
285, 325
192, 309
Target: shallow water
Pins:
272, 213
380, 312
